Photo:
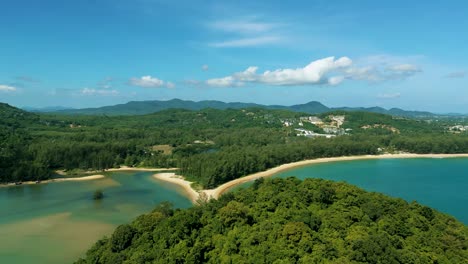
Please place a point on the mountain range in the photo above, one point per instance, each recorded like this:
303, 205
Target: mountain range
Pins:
146, 107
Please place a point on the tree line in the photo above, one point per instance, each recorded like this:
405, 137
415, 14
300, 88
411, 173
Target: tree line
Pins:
209, 146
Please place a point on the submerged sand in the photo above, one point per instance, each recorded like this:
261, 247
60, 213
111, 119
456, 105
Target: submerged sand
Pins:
85, 178
89, 177
60, 231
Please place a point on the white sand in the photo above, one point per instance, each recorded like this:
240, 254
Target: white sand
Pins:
180, 181
215, 193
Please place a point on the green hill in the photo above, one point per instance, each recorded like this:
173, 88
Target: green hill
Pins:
289, 221
146, 107
210, 146
12, 116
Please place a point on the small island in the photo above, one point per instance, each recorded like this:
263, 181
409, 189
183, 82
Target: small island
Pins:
98, 195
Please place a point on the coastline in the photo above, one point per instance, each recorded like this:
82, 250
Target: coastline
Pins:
88, 177
180, 182
217, 192
126, 168
194, 195
84, 178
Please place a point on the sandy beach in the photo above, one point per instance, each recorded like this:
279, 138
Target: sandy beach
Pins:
217, 192
181, 182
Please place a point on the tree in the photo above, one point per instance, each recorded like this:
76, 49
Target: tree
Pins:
98, 195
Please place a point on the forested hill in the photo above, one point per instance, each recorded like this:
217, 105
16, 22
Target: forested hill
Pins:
12, 116
289, 221
210, 146
146, 107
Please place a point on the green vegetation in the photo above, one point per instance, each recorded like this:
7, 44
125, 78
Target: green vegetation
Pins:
289, 221
147, 107
98, 195
209, 146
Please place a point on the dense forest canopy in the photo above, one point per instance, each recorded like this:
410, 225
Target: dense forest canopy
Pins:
209, 146
289, 221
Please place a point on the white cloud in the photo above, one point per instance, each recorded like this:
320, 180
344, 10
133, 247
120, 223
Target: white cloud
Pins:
150, 82
106, 83
366, 73
316, 72
228, 81
328, 71
380, 68
404, 68
247, 42
389, 96
400, 71
7, 88
378, 73
170, 85
242, 26
101, 92
458, 74
246, 32
205, 67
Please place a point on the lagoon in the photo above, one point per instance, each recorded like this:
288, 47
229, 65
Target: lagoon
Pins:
57, 222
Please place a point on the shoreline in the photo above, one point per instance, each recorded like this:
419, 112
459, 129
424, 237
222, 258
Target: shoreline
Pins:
179, 181
194, 195
126, 168
218, 191
84, 178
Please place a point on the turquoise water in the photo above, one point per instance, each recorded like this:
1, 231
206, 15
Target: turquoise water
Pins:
57, 222
438, 183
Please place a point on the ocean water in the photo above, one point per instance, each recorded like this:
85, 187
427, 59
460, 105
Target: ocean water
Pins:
58, 222
441, 183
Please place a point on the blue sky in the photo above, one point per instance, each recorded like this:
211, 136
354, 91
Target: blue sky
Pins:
406, 54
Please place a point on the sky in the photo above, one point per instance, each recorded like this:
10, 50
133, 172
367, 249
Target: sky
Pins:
90, 53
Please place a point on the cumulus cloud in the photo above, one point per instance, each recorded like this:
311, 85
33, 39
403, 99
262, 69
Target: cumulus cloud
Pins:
205, 67
101, 92
316, 72
389, 96
458, 74
7, 88
150, 82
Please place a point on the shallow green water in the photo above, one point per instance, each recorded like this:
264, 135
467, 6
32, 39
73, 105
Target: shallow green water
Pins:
438, 183
57, 222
